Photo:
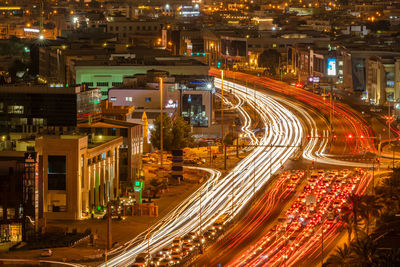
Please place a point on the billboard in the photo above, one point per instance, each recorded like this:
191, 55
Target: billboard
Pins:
332, 66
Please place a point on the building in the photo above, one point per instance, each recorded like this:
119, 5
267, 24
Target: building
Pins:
39, 108
21, 214
79, 174
190, 96
382, 80
130, 152
110, 73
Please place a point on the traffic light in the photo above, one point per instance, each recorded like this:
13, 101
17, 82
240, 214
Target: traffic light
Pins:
362, 136
308, 136
219, 64
319, 136
350, 136
334, 136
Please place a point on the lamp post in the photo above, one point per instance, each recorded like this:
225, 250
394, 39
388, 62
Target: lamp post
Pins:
161, 123
222, 116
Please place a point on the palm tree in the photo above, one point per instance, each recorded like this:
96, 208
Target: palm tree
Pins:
341, 256
365, 252
370, 207
347, 218
389, 258
357, 210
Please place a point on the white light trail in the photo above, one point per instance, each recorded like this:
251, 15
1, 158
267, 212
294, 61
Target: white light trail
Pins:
283, 135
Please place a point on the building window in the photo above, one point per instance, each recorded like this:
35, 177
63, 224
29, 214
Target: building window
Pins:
117, 28
116, 83
111, 28
155, 28
149, 28
124, 28
15, 109
130, 28
138, 28
105, 93
56, 174
37, 121
148, 99
88, 84
144, 28
128, 99
10, 213
1, 107
113, 98
102, 83
124, 35
82, 172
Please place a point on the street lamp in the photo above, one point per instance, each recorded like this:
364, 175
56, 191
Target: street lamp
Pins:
161, 122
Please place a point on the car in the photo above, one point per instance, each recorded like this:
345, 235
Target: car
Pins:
156, 259
187, 238
166, 251
142, 259
212, 232
176, 260
46, 253
177, 241
165, 262
176, 248
189, 246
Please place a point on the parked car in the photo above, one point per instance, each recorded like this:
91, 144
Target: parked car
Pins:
46, 253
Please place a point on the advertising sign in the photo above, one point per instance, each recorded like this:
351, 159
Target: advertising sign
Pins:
332, 66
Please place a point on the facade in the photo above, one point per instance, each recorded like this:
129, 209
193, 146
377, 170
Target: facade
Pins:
130, 152
189, 96
39, 108
382, 80
105, 75
21, 213
79, 174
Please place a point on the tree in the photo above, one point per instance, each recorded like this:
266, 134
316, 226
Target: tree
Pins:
365, 252
389, 258
181, 132
229, 138
167, 132
156, 184
370, 207
176, 133
269, 59
341, 256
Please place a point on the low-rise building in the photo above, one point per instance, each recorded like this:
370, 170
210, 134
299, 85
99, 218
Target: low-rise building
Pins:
78, 174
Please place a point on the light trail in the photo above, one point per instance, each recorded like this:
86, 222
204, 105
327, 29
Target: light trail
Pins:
283, 133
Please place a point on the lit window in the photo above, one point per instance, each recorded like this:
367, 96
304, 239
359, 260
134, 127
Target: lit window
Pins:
15, 109
340, 63
128, 98
113, 99
148, 99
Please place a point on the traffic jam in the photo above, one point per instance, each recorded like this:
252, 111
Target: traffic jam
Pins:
312, 221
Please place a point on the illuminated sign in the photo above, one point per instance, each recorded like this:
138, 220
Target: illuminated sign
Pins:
314, 79
171, 104
332, 66
31, 30
138, 186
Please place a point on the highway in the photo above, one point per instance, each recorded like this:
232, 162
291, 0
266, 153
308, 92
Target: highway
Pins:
312, 113
230, 194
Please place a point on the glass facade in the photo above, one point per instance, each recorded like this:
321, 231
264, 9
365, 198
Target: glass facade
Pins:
193, 110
